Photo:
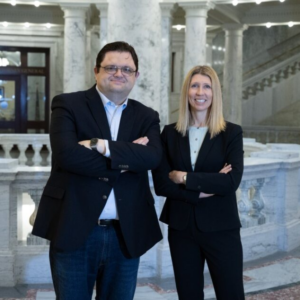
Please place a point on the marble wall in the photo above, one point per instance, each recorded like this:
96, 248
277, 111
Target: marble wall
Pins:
259, 38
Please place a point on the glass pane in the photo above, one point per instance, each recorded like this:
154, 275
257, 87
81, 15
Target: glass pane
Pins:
10, 59
7, 100
36, 98
36, 60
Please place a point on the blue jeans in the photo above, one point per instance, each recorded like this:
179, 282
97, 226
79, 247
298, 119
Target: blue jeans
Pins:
101, 259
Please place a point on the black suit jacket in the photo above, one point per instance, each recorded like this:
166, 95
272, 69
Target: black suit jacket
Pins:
218, 212
81, 179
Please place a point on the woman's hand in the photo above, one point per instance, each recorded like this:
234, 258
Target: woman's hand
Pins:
177, 176
226, 169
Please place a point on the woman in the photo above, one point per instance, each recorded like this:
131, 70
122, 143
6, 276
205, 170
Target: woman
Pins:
201, 208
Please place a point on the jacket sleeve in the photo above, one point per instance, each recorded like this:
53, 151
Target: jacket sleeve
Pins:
66, 151
219, 183
163, 185
135, 157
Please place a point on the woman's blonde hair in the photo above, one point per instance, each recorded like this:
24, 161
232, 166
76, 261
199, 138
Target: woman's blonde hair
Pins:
214, 118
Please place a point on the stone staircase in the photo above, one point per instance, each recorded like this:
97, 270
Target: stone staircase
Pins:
271, 66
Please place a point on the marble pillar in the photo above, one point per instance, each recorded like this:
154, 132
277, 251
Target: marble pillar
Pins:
139, 24
93, 47
209, 44
7, 219
233, 72
103, 8
74, 48
165, 84
195, 33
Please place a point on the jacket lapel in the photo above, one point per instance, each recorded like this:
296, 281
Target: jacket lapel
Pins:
204, 150
126, 123
184, 145
98, 112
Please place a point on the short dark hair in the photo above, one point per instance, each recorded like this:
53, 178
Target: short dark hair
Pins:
119, 47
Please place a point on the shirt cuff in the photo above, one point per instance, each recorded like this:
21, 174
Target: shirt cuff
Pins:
107, 151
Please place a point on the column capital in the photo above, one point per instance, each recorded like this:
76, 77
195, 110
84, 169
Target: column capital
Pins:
167, 9
103, 7
196, 9
75, 10
234, 27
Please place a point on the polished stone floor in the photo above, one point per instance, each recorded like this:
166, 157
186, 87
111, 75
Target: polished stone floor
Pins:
276, 277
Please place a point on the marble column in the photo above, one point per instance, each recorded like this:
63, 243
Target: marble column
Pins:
74, 48
139, 24
209, 44
233, 72
195, 33
166, 55
7, 218
103, 8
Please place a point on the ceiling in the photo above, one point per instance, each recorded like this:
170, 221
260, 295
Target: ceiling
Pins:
223, 12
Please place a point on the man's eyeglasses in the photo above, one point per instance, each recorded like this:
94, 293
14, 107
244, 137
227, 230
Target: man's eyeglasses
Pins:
126, 71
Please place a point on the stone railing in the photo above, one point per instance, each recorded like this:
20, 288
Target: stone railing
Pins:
272, 134
30, 149
268, 202
270, 76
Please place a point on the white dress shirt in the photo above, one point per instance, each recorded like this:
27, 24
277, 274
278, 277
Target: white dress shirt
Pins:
196, 137
113, 113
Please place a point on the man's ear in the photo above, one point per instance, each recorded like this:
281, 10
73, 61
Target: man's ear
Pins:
96, 71
137, 74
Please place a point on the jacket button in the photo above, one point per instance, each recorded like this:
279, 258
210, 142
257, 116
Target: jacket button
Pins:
105, 179
199, 187
104, 197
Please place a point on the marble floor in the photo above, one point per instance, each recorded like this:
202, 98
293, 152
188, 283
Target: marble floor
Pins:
273, 278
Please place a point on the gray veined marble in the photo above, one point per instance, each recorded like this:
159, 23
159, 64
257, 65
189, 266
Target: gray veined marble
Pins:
195, 34
140, 27
74, 50
233, 72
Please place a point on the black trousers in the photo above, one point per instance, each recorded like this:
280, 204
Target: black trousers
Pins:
223, 253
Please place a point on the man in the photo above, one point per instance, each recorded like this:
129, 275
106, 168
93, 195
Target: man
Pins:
97, 209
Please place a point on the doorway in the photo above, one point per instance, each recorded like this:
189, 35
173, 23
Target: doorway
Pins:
24, 90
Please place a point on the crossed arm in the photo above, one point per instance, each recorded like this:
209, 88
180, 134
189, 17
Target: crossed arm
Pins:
70, 155
177, 177
101, 147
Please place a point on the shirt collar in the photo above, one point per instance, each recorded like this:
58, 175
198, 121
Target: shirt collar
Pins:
106, 102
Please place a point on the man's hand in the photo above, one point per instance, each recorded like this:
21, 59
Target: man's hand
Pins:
177, 176
142, 141
100, 145
226, 169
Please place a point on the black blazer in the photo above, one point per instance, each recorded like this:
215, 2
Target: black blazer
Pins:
81, 180
215, 213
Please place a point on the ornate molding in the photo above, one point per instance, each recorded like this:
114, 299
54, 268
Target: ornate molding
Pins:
234, 27
167, 9
196, 9
75, 10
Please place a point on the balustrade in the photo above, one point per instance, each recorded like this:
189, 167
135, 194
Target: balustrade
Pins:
268, 204
23, 143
